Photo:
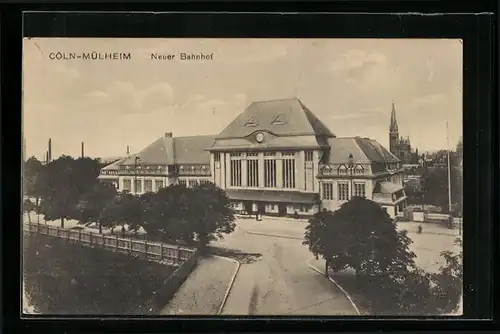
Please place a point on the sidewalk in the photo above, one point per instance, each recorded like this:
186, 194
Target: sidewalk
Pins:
204, 290
427, 228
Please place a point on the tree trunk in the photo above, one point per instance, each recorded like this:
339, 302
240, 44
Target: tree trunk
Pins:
38, 209
29, 217
62, 222
100, 227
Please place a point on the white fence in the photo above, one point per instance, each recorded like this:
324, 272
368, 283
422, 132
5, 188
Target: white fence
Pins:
154, 250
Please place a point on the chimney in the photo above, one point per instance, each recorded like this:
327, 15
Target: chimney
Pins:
47, 156
128, 150
83, 149
168, 134
49, 152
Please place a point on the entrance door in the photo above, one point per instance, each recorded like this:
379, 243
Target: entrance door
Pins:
261, 208
247, 206
281, 210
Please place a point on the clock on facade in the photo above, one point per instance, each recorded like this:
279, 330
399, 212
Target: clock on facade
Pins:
259, 137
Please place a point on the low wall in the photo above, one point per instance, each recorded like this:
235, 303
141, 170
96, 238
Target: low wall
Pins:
170, 286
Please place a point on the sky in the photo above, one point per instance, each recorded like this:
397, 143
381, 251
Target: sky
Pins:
349, 84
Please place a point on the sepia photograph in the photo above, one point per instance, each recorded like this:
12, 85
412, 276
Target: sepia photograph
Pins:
242, 177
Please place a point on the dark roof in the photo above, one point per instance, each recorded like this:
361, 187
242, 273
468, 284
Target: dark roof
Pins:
193, 150
386, 187
280, 117
272, 196
115, 165
364, 150
160, 152
177, 150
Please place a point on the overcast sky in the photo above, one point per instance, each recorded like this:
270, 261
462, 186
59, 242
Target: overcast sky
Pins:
348, 83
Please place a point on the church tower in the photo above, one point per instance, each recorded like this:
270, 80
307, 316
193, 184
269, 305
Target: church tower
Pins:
393, 132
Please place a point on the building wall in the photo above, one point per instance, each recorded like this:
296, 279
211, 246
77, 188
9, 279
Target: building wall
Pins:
305, 172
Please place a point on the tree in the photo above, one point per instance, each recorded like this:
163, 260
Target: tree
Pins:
28, 206
199, 214
63, 182
31, 178
125, 208
448, 282
92, 204
360, 235
212, 215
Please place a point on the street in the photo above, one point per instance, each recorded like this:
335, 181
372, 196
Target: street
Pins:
274, 278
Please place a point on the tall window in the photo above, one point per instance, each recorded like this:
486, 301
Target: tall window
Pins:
217, 156
328, 191
138, 186
193, 183
309, 155
359, 190
343, 191
253, 173
235, 173
288, 173
158, 184
148, 185
270, 173
127, 184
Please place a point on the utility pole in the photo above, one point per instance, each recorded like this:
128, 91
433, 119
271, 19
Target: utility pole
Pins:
449, 168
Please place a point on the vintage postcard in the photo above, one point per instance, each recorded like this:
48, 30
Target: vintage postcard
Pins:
242, 177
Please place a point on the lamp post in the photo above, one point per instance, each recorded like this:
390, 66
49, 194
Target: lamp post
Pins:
135, 175
350, 165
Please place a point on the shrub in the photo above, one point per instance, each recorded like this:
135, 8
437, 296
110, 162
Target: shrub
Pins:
67, 278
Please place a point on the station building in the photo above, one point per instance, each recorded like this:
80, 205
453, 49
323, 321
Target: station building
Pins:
276, 158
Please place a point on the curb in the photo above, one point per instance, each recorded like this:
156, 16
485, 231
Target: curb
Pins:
228, 291
336, 284
275, 235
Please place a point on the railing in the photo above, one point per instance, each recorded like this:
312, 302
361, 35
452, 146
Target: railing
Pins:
153, 250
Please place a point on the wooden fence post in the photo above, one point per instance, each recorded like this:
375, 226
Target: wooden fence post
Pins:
146, 247
38, 229
79, 235
161, 251
178, 254
130, 245
116, 239
67, 235
90, 238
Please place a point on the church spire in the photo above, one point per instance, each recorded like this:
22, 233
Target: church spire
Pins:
394, 123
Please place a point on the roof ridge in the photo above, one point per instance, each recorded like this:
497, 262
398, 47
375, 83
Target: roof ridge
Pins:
194, 136
274, 100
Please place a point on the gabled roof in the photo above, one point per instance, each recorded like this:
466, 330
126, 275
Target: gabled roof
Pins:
364, 150
286, 117
177, 150
386, 187
160, 152
192, 150
115, 165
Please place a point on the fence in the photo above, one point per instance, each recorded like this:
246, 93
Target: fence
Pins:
151, 250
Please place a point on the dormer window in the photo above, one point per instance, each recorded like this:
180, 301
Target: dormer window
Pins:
251, 122
193, 168
279, 120
181, 168
342, 170
359, 170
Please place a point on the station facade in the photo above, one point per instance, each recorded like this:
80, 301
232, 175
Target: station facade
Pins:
276, 158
